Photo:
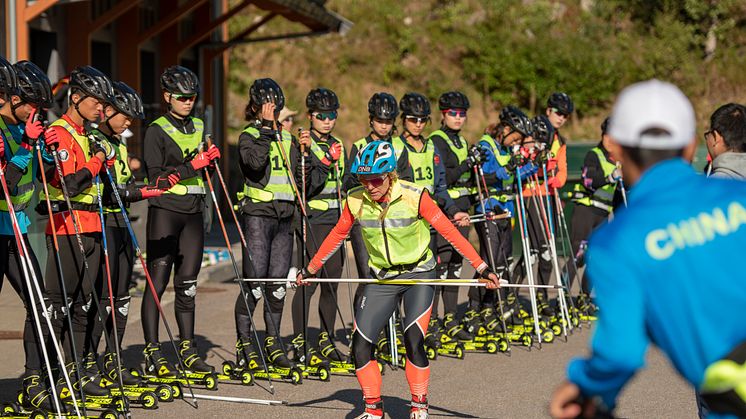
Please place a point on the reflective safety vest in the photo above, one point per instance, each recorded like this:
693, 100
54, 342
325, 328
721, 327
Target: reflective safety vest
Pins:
723, 386
328, 198
601, 197
505, 194
396, 237
121, 172
422, 162
278, 187
89, 195
24, 191
460, 189
189, 145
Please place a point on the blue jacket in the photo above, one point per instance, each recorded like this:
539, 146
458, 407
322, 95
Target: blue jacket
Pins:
21, 159
667, 270
492, 167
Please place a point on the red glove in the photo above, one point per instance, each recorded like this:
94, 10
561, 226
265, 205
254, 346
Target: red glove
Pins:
2, 149
32, 130
213, 152
166, 180
200, 161
110, 163
551, 165
148, 192
554, 183
51, 140
332, 155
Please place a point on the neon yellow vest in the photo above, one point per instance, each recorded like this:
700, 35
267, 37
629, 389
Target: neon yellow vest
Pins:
278, 187
504, 194
603, 195
189, 145
121, 172
89, 195
400, 242
422, 162
457, 191
24, 191
327, 198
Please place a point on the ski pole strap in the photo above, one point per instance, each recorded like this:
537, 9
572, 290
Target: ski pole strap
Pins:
724, 384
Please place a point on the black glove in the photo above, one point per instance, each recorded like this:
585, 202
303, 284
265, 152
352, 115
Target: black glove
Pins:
101, 145
475, 156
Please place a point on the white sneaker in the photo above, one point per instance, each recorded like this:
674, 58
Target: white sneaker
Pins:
367, 415
419, 414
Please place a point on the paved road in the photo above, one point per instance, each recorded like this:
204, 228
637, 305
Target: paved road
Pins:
482, 385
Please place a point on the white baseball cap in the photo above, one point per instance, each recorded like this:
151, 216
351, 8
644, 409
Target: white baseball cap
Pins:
648, 105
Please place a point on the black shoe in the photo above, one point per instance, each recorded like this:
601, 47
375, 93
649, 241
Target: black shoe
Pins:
157, 364
246, 355
454, 329
35, 393
89, 379
275, 354
471, 321
328, 349
112, 368
191, 359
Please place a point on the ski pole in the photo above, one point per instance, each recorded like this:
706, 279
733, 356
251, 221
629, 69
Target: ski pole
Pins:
242, 400
445, 281
107, 268
63, 287
86, 268
149, 280
343, 249
621, 185
27, 267
527, 253
303, 247
479, 178
241, 288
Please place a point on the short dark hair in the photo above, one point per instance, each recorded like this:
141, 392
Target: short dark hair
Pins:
730, 122
646, 157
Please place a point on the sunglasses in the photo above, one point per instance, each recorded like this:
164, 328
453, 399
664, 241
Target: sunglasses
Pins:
185, 98
373, 181
418, 120
325, 115
455, 113
557, 111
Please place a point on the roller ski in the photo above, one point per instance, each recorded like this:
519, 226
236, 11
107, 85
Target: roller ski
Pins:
338, 363
158, 370
384, 353
16, 411
134, 387
248, 363
316, 365
586, 310
454, 329
437, 342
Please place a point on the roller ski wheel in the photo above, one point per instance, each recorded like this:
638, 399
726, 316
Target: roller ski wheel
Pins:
491, 347
177, 391
527, 340
556, 329
148, 400
459, 351
431, 353
503, 345
108, 414
575, 321
165, 393
296, 376
547, 336
247, 378
324, 374
227, 367
211, 382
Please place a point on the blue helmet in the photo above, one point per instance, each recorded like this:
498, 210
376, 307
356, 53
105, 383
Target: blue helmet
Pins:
376, 158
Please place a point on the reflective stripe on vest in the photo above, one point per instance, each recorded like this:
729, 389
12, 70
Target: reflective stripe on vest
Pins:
603, 195
328, 198
278, 186
122, 173
189, 145
88, 196
24, 191
422, 162
401, 242
505, 193
457, 191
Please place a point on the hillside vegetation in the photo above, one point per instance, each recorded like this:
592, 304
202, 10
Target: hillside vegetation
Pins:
502, 52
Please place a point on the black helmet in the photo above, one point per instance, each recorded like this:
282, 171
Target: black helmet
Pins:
91, 82
562, 102
322, 99
414, 104
543, 129
265, 91
517, 120
8, 79
179, 80
383, 106
605, 125
33, 84
127, 101
453, 100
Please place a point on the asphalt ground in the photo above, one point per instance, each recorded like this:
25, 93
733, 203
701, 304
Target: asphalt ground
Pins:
479, 386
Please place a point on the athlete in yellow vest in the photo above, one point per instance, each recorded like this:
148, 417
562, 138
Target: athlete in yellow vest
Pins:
268, 207
327, 153
124, 107
459, 164
175, 230
19, 131
593, 198
395, 217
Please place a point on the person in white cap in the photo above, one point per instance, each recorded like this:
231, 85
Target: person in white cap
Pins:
651, 267
287, 118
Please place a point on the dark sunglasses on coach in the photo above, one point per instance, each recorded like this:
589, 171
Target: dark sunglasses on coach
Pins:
325, 115
418, 120
454, 113
373, 181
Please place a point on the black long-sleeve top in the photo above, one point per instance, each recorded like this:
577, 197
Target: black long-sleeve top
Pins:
454, 168
403, 168
162, 154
